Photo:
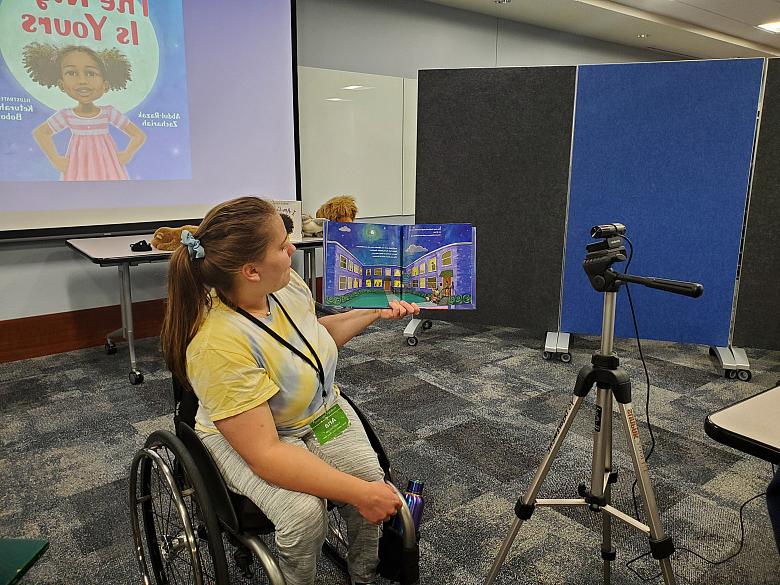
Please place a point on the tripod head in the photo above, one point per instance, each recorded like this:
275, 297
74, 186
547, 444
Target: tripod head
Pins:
602, 255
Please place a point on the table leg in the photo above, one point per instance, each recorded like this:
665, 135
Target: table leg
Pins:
126, 304
312, 258
122, 331
306, 268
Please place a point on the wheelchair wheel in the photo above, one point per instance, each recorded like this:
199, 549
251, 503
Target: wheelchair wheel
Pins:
336, 542
174, 528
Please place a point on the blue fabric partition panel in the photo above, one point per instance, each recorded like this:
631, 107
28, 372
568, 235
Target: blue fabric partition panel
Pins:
664, 148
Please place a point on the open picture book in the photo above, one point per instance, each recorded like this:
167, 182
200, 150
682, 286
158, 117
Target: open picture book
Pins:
369, 264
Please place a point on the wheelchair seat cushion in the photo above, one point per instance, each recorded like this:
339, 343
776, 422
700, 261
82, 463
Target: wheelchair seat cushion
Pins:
250, 517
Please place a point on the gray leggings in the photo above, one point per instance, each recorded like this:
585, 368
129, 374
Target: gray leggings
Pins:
301, 519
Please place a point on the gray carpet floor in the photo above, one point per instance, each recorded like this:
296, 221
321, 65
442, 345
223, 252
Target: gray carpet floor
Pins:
470, 411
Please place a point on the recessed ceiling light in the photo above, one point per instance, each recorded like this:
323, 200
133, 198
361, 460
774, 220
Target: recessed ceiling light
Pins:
642, 36
352, 87
773, 27
336, 100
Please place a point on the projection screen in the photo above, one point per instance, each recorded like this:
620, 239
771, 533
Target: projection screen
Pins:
122, 115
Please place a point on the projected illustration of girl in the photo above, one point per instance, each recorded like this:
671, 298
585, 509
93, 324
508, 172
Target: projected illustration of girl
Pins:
85, 75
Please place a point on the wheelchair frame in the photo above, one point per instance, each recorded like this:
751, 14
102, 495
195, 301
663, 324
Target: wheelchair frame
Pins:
185, 520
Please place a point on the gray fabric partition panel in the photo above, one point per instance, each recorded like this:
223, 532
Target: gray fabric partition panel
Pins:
757, 320
493, 149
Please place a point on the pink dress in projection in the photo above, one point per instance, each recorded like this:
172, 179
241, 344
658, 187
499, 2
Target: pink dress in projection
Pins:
92, 152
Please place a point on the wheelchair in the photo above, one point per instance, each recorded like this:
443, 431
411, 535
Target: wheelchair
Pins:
189, 528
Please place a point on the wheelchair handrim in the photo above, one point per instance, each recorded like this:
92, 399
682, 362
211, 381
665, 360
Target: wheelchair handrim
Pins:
148, 458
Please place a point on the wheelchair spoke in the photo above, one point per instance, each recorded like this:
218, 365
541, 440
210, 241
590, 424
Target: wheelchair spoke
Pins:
336, 539
171, 538
201, 537
338, 528
175, 571
163, 522
168, 459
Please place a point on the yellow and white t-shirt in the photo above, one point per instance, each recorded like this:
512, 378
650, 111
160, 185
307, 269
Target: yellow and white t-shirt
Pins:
234, 365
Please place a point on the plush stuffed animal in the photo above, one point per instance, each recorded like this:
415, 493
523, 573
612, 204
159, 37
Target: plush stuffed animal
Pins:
168, 239
312, 227
339, 208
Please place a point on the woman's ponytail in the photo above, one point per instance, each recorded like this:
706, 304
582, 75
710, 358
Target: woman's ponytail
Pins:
187, 301
232, 234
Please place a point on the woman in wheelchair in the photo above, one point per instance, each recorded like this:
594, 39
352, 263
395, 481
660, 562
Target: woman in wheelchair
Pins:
240, 331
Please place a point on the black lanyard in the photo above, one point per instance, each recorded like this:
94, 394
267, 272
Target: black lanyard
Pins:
317, 368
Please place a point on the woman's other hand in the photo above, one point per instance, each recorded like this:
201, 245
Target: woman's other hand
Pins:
378, 502
398, 310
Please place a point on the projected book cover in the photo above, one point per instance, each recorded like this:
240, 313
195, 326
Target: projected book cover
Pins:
369, 264
93, 90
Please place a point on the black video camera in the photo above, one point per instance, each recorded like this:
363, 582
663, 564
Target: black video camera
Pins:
602, 255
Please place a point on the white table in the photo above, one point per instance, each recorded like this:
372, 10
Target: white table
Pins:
750, 425
115, 251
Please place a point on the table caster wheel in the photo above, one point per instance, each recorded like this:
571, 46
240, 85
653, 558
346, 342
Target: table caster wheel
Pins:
744, 375
730, 374
565, 357
427, 324
136, 377
110, 347
411, 341
547, 355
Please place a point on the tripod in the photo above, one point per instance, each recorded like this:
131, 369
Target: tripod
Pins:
611, 382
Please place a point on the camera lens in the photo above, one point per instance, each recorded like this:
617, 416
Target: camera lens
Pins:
607, 230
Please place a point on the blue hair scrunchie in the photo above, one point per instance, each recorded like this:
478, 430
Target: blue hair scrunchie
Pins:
193, 245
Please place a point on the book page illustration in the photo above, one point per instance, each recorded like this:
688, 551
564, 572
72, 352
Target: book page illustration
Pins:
369, 265
438, 265
362, 264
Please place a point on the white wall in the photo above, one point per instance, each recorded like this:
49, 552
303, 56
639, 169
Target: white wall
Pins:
398, 37
384, 37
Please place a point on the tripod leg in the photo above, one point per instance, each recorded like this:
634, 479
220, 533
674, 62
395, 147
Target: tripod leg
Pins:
607, 552
525, 505
660, 543
601, 467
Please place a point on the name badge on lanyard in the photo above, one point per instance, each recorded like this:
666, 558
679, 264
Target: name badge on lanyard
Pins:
330, 425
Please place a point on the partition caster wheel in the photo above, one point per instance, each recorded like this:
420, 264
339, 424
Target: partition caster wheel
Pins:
744, 375
565, 357
136, 377
547, 355
427, 324
730, 374
110, 347
411, 341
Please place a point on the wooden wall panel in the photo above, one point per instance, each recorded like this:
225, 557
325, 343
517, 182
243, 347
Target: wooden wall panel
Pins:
58, 332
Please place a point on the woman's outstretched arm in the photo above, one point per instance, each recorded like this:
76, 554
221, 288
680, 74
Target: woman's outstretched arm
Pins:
344, 326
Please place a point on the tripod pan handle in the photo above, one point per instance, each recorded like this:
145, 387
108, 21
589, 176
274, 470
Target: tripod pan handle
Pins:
678, 287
